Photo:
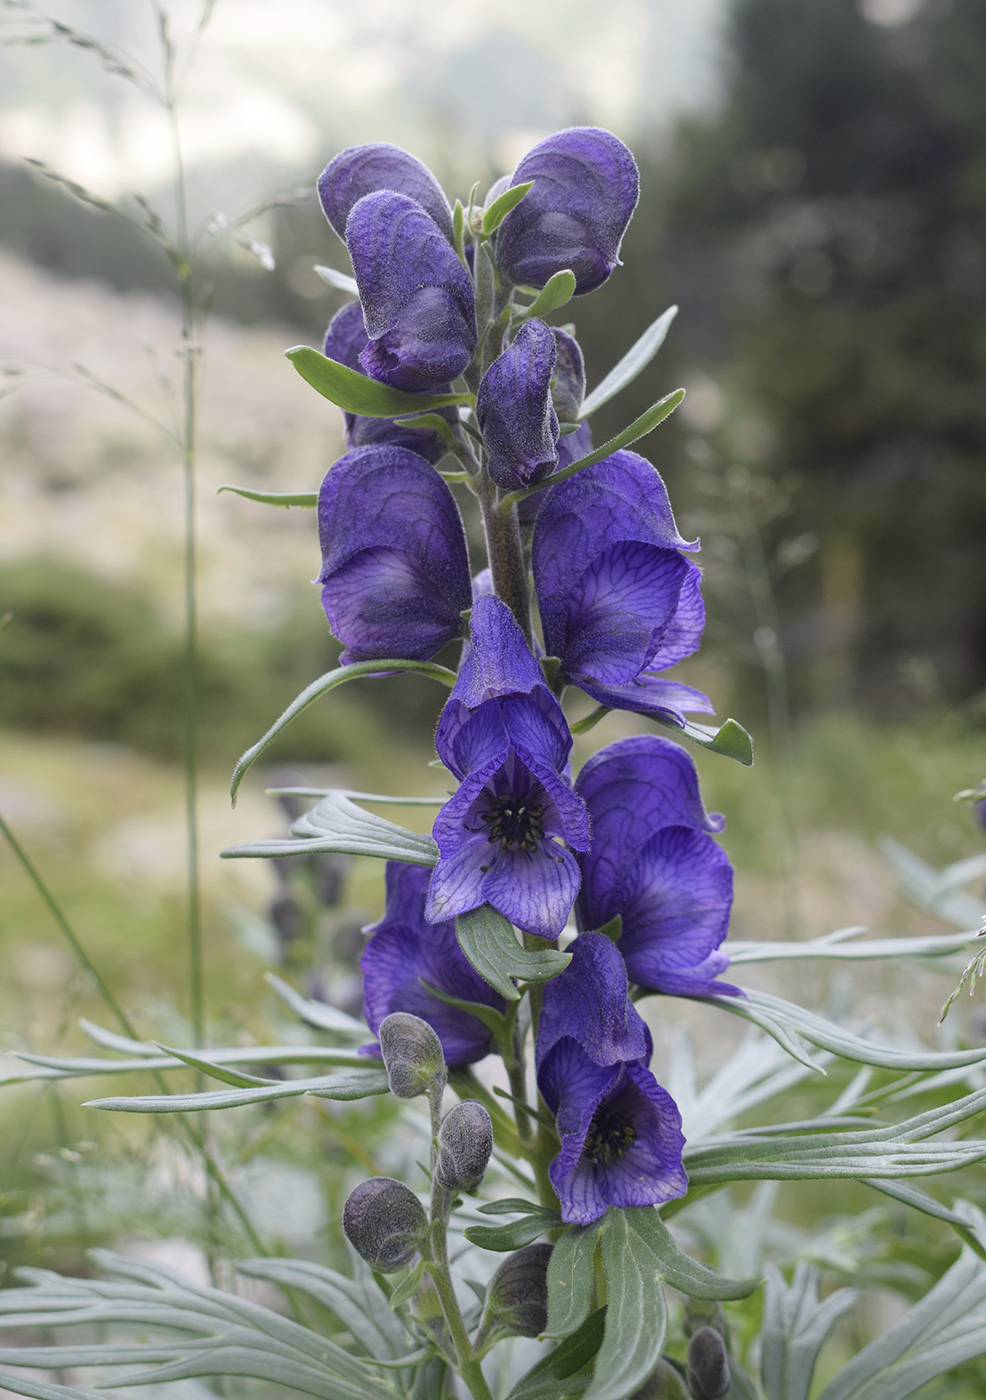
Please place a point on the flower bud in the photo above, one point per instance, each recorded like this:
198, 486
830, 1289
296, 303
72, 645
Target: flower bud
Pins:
708, 1365
517, 1297
385, 1223
412, 1053
663, 1383
465, 1142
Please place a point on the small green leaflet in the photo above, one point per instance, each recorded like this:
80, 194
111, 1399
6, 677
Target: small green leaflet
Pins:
322, 686
408, 1286
487, 939
337, 824
638, 357
339, 280
494, 216
729, 739
557, 292
518, 1233
357, 393
307, 499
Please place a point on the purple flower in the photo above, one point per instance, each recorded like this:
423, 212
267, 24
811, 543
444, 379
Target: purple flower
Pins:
417, 297
515, 412
505, 738
618, 601
344, 341
404, 952
653, 863
363, 170
585, 189
621, 1139
395, 570
568, 380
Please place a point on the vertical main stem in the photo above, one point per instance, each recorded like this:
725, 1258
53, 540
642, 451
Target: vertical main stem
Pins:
505, 551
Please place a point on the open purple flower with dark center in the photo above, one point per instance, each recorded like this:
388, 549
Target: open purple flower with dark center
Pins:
405, 952
585, 189
395, 568
362, 170
618, 600
654, 863
345, 340
621, 1139
505, 738
417, 298
515, 412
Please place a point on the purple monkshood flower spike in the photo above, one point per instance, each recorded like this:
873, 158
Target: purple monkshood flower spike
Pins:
515, 412
618, 601
505, 738
363, 170
395, 567
404, 952
585, 189
417, 297
345, 340
653, 863
621, 1138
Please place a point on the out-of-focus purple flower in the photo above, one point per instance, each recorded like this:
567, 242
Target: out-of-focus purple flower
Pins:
515, 412
395, 569
618, 600
505, 738
362, 170
568, 379
345, 340
653, 863
585, 189
417, 297
621, 1139
404, 952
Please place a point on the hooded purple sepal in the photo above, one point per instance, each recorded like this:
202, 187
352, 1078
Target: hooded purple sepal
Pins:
653, 863
395, 568
568, 380
405, 951
417, 297
497, 661
621, 1138
362, 170
618, 601
515, 412
345, 340
585, 189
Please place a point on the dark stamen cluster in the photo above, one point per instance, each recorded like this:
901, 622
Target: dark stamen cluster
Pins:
610, 1137
515, 823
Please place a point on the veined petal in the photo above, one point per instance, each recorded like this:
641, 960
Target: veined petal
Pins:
362, 170
417, 297
585, 189
383, 604
470, 742
515, 412
665, 700
684, 631
533, 890
590, 1002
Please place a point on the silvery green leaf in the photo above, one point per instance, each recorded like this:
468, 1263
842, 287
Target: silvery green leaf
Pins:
675, 1267
920, 1200
317, 1013
358, 1302
526, 1230
337, 824
339, 280
794, 1329
568, 1357
636, 1311
41, 1390
322, 686
343, 1087
487, 939
937, 890
638, 357
357, 393
570, 1279
74, 1067
307, 499
841, 946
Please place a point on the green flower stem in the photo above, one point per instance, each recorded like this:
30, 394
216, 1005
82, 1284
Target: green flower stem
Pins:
467, 1363
505, 551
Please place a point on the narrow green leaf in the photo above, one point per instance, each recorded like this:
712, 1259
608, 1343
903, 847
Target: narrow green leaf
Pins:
317, 1013
637, 358
676, 1267
841, 949
307, 499
639, 428
436, 423
730, 739
583, 726
913, 1196
494, 216
501, 1238
336, 824
636, 1312
485, 276
459, 231
491, 1018
570, 1279
557, 292
568, 1357
357, 393
795, 1327
358, 1303
339, 280
322, 686
343, 1087
214, 1071
487, 939
38, 1389
408, 1286
510, 1205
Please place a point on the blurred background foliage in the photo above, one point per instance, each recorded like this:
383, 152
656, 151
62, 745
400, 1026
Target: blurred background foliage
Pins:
814, 199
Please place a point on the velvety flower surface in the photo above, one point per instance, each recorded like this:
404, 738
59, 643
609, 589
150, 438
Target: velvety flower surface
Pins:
585, 189
568, 379
362, 170
653, 863
618, 600
505, 738
621, 1139
345, 340
395, 569
515, 412
405, 951
417, 297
